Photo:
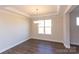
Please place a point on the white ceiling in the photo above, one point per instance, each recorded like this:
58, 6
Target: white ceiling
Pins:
31, 9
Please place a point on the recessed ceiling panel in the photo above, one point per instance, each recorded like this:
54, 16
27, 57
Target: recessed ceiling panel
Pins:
32, 9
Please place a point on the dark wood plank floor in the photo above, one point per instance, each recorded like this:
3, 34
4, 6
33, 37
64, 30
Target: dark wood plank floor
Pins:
34, 46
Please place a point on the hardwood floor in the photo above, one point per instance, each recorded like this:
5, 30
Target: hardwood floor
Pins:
34, 46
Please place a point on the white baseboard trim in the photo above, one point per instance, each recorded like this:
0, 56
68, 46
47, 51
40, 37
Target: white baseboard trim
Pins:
74, 43
66, 46
49, 40
14, 45
54, 41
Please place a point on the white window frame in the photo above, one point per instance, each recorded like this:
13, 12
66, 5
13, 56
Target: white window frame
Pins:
77, 21
44, 31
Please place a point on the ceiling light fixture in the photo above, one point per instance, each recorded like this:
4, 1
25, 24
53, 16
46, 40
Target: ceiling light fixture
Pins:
37, 15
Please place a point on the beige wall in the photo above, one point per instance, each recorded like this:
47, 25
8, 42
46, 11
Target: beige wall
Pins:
14, 29
57, 29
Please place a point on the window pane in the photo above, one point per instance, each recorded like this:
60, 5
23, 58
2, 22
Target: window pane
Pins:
44, 27
77, 21
48, 30
48, 23
41, 30
41, 23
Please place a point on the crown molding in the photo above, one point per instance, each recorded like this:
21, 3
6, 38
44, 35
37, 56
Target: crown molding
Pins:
10, 9
8, 12
67, 9
70, 8
50, 14
58, 9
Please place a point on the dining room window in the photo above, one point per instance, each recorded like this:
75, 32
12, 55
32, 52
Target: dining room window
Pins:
77, 21
44, 27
